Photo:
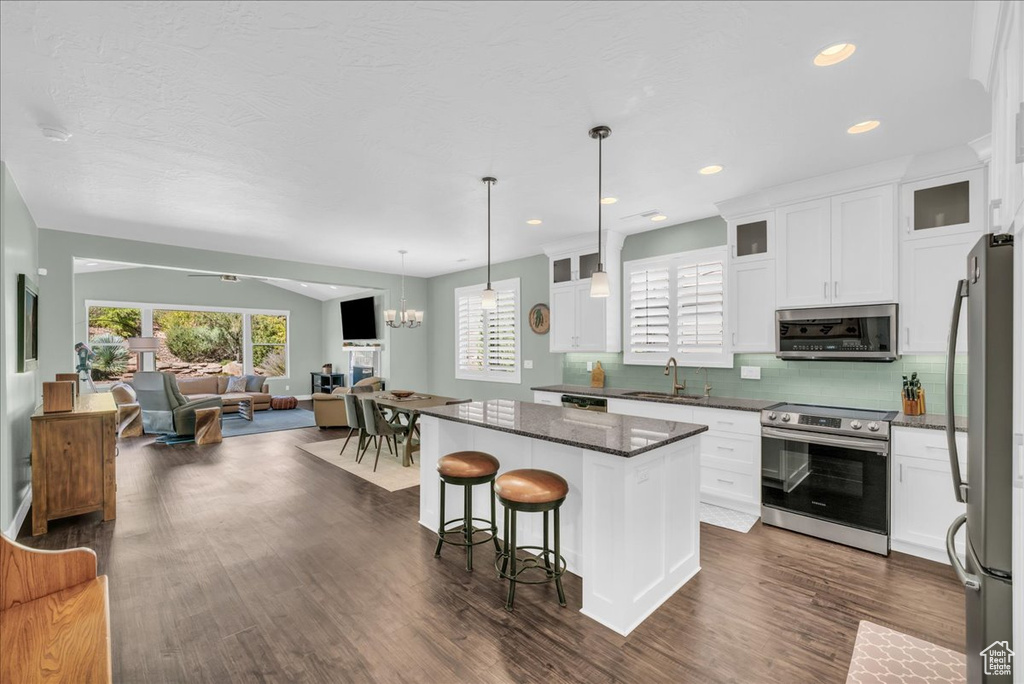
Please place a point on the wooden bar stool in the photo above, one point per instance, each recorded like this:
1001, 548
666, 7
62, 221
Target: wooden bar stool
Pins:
531, 491
465, 469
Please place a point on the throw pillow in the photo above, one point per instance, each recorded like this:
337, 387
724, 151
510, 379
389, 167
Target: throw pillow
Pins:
254, 383
236, 384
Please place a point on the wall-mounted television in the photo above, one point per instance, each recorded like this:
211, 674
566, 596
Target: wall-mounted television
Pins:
358, 320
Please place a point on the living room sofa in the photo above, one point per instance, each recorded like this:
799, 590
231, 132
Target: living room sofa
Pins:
217, 386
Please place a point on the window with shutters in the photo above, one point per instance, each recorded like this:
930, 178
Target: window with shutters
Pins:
487, 342
677, 309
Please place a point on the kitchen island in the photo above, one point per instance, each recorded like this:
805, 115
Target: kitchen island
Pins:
631, 523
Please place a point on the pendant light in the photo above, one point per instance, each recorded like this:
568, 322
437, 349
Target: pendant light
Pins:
489, 300
403, 317
599, 279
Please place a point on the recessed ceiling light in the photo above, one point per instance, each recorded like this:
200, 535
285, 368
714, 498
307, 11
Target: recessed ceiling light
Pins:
334, 287
834, 54
535, 222
92, 263
55, 134
659, 217
708, 170
863, 127
303, 285
609, 200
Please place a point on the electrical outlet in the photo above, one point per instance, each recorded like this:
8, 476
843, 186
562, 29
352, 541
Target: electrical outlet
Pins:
287, 387
590, 365
528, 364
750, 372
643, 475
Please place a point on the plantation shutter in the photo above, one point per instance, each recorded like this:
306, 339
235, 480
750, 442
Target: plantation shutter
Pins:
649, 314
502, 334
700, 298
471, 340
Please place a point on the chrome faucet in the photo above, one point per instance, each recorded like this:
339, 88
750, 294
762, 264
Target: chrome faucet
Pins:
677, 389
707, 387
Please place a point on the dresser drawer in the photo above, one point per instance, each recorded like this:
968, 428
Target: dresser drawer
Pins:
738, 450
725, 483
724, 420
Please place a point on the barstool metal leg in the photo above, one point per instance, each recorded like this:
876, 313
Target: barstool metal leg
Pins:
467, 513
558, 559
505, 539
494, 521
512, 563
440, 525
547, 546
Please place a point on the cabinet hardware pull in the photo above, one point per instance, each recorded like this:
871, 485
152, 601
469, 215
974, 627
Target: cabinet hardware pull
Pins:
725, 481
908, 334
901, 472
725, 448
825, 290
725, 422
835, 290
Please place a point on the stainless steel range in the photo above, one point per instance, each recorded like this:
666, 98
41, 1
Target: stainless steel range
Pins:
825, 472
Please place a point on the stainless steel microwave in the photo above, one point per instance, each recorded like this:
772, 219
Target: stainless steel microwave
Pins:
843, 333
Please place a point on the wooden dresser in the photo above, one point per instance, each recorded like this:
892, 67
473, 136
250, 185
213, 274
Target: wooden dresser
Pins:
73, 461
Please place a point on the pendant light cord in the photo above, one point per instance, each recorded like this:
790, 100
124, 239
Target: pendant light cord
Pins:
488, 234
600, 173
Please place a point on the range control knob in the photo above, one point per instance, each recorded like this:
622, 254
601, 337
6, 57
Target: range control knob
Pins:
873, 426
855, 424
785, 417
772, 416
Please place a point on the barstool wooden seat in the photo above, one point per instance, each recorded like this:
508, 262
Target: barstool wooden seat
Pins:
531, 491
466, 469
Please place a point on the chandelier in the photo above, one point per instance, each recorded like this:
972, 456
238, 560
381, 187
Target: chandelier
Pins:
403, 317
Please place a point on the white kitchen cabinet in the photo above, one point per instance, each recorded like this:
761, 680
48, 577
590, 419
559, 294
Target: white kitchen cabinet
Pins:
752, 306
929, 272
752, 237
944, 205
864, 247
837, 250
548, 398
803, 244
923, 503
579, 322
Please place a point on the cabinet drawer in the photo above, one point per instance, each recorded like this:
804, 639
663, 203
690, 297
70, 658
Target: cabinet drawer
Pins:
738, 486
931, 444
724, 420
737, 450
549, 398
651, 409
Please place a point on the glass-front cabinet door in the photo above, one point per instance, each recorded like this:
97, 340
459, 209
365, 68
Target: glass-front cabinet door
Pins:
954, 203
561, 270
751, 238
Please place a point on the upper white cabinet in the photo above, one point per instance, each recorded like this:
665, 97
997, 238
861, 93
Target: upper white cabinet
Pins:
837, 250
929, 273
752, 306
947, 205
751, 238
579, 322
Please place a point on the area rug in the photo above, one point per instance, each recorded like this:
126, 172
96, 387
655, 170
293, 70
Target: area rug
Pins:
727, 518
885, 656
233, 425
390, 475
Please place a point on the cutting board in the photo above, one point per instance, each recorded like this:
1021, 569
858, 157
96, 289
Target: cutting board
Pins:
597, 375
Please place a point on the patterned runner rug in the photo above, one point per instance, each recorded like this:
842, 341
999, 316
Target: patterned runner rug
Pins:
885, 656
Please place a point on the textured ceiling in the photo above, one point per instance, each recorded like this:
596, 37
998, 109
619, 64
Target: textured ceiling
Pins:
341, 132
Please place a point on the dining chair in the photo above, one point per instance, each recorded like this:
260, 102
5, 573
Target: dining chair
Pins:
376, 424
357, 422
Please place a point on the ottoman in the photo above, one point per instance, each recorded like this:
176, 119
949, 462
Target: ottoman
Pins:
283, 403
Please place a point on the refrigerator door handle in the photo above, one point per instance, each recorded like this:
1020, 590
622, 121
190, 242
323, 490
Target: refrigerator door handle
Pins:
969, 581
959, 486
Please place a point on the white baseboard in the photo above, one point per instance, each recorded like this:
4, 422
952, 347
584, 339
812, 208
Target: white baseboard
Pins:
19, 516
933, 554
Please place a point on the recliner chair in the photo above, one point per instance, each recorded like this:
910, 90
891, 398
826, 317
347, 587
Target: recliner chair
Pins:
164, 409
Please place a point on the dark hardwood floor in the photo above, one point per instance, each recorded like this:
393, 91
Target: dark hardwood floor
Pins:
252, 561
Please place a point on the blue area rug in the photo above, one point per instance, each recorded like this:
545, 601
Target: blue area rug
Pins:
234, 425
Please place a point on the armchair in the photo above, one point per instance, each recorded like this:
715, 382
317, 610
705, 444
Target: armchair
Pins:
164, 409
329, 410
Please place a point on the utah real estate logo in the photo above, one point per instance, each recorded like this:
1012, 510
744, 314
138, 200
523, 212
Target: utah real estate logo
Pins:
998, 659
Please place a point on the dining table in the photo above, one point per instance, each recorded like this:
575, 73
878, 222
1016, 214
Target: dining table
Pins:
410, 407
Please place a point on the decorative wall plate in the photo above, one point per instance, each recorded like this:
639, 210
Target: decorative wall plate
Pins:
540, 319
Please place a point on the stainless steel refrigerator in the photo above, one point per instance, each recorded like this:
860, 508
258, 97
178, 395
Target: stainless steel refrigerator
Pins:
988, 293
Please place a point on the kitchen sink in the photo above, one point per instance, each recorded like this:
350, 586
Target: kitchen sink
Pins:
664, 396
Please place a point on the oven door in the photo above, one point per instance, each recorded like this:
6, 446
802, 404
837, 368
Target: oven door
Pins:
844, 480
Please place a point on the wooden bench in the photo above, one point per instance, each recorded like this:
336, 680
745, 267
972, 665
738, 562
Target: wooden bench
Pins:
54, 616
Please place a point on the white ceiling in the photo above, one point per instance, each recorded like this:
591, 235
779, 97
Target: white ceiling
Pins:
319, 291
341, 132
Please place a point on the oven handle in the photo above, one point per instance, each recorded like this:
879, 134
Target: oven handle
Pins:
877, 446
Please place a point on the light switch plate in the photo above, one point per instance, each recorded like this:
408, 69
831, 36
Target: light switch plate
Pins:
590, 365
750, 372
528, 364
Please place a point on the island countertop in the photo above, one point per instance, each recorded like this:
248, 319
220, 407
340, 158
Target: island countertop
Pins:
608, 433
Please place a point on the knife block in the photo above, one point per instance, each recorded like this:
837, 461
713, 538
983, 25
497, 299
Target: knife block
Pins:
914, 407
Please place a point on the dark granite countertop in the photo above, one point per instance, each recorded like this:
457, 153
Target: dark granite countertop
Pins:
608, 433
731, 403
929, 421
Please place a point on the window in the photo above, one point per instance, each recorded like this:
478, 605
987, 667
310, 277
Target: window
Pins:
677, 309
487, 342
269, 340
108, 328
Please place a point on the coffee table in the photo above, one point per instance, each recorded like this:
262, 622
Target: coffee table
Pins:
245, 409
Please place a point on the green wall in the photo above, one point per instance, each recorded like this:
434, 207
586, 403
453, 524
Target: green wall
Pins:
57, 249
682, 237
163, 286
440, 325
19, 392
